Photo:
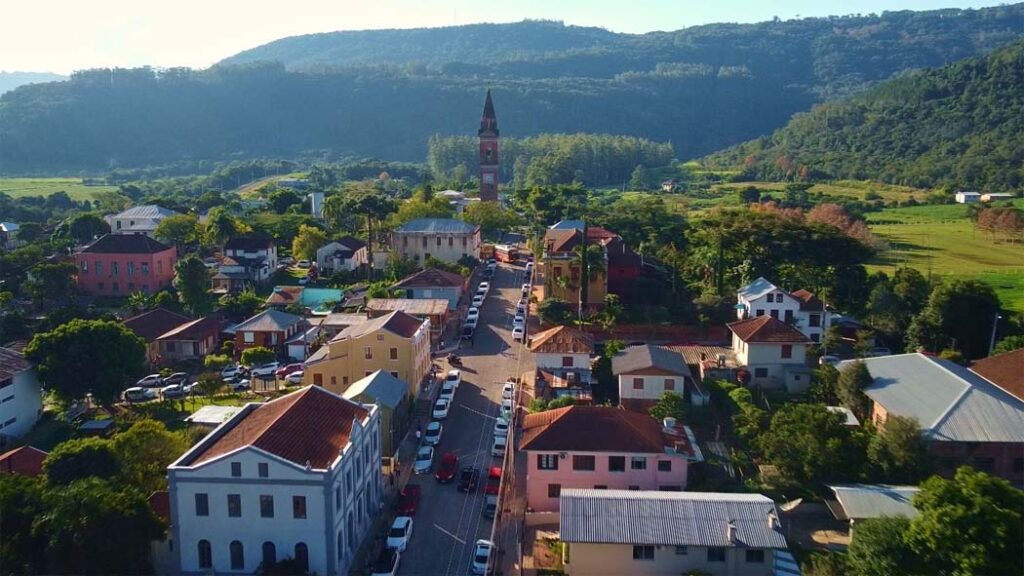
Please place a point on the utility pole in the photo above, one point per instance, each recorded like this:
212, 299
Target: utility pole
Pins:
992, 340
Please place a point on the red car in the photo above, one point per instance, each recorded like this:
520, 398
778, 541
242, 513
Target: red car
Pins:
408, 499
449, 464
493, 480
282, 372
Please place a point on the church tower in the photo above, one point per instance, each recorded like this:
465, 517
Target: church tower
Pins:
488, 152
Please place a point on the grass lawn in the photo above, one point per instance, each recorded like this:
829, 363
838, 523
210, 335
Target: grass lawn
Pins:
855, 189
19, 187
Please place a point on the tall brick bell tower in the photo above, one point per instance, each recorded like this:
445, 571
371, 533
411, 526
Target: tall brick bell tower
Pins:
488, 134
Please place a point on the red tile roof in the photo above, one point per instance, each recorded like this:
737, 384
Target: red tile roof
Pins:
808, 301
563, 239
311, 425
1005, 370
150, 325
285, 295
431, 277
766, 329
562, 340
397, 322
195, 330
27, 461
592, 429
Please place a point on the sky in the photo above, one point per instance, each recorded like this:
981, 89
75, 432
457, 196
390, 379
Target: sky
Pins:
65, 35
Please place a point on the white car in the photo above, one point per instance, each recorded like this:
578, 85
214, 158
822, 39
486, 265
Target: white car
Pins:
400, 533
303, 264
240, 386
498, 449
453, 377
295, 377
447, 392
508, 390
472, 322
432, 437
173, 391
231, 371
424, 460
492, 264
478, 300
138, 394
265, 370
506, 408
484, 287
518, 333
151, 381
828, 359
387, 562
529, 265
473, 312
441, 408
482, 552
501, 427
526, 289
519, 320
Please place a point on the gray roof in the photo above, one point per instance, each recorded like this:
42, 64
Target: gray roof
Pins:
437, 225
860, 501
213, 415
147, 211
951, 402
568, 225
643, 357
756, 289
269, 321
667, 518
12, 363
383, 388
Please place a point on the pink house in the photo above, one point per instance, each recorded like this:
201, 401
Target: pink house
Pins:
600, 447
120, 264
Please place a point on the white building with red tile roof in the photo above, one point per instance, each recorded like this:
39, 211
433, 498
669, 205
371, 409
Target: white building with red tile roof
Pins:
775, 353
801, 308
21, 398
295, 477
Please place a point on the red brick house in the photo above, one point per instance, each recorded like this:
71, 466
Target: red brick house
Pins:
26, 461
189, 341
120, 264
151, 324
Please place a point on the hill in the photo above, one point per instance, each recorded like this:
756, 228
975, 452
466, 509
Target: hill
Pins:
385, 93
11, 80
958, 126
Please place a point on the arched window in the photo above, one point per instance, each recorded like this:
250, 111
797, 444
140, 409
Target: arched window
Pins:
341, 545
237, 556
205, 554
269, 554
351, 531
302, 557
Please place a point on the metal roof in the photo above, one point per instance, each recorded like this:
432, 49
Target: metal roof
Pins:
437, 226
381, 387
756, 289
12, 363
667, 518
643, 357
213, 415
269, 321
951, 402
860, 501
568, 225
148, 211
414, 306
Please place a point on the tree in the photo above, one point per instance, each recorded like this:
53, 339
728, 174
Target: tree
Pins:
491, 217
419, 206
879, 548
81, 458
53, 282
145, 451
81, 356
670, 405
590, 259
221, 227
167, 299
749, 195
181, 230
192, 281
281, 199
970, 525
897, 452
307, 242
853, 379
809, 444
21, 499
257, 355
641, 178
958, 315
84, 227
242, 305
216, 361
364, 201
554, 311
826, 383
912, 288
1009, 344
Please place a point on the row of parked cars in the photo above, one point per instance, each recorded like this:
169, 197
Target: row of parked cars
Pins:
235, 376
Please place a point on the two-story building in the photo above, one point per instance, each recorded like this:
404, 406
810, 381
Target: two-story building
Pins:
9, 239
270, 328
801, 309
121, 264
433, 309
446, 239
603, 448
21, 397
397, 343
646, 372
138, 219
773, 352
434, 283
297, 477
192, 340
563, 355
248, 261
342, 255
560, 269
391, 396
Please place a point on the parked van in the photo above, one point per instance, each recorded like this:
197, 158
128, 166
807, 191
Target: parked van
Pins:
498, 450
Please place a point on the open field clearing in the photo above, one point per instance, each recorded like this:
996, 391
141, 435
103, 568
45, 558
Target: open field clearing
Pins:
19, 187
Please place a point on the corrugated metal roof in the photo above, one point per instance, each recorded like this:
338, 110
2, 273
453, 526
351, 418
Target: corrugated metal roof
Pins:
643, 357
667, 518
213, 415
951, 402
269, 321
414, 306
12, 363
756, 289
437, 226
568, 225
147, 211
383, 388
861, 501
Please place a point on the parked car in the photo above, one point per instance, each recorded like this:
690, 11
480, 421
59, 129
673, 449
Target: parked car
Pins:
519, 320
472, 322
506, 408
490, 506
400, 533
173, 391
484, 287
453, 377
303, 264
478, 300
467, 332
386, 563
151, 381
295, 377
241, 385
447, 392
501, 427
286, 370
508, 390
482, 552
492, 263
409, 499
231, 371
468, 478
487, 274
473, 312
210, 262
493, 480
498, 448
526, 289
441, 408
138, 394
424, 460
829, 359
266, 370
192, 388
176, 378
432, 436
287, 260
529, 265
518, 334
449, 464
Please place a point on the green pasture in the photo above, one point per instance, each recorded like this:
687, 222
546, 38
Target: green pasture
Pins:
20, 187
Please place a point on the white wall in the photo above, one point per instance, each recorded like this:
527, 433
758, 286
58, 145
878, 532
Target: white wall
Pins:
579, 361
753, 306
21, 404
768, 357
416, 251
602, 559
654, 386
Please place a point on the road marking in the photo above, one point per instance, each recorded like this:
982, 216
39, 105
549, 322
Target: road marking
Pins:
485, 415
454, 537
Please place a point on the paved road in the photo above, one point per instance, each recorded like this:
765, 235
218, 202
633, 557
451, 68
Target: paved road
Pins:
448, 522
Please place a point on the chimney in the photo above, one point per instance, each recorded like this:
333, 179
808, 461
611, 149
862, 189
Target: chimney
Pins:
773, 520
730, 531
670, 424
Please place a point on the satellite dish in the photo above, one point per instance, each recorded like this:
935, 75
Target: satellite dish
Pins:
791, 505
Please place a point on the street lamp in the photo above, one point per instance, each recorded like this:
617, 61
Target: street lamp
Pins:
992, 341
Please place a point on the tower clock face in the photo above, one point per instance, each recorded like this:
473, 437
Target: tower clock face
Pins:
488, 178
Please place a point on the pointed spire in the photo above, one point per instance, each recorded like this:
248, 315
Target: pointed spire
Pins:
488, 122
489, 107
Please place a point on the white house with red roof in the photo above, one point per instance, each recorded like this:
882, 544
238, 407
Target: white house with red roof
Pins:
801, 308
21, 398
774, 353
295, 477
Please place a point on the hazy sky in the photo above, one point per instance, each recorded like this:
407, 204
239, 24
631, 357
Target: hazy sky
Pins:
65, 35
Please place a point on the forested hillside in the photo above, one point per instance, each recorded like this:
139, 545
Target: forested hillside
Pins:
385, 93
11, 80
959, 126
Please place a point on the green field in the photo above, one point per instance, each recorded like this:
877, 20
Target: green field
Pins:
19, 187
854, 189
941, 240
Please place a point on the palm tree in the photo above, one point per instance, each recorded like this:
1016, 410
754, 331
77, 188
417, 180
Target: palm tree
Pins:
590, 259
366, 202
140, 301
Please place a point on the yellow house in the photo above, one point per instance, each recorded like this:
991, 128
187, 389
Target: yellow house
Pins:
398, 344
560, 269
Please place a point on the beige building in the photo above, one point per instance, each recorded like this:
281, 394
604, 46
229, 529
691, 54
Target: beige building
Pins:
446, 239
398, 344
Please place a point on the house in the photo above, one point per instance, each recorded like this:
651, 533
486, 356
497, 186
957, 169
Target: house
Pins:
856, 502
446, 239
342, 255
774, 353
433, 309
296, 477
997, 196
562, 356
670, 533
390, 395
192, 340
138, 219
707, 362
645, 373
434, 283
965, 419
335, 322
154, 323
248, 261
559, 270
319, 301
121, 264
668, 186
801, 309
25, 461
967, 197
397, 343
270, 328
9, 236
21, 397
603, 448
1005, 370
282, 297
305, 340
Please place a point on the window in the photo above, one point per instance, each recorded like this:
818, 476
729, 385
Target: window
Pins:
755, 556
600, 487
775, 314
113, 268
269, 554
814, 320
380, 337
202, 505
264, 469
451, 241
554, 490
634, 487
789, 316
248, 337
302, 557
1018, 464
393, 353
547, 461
84, 267
170, 346
585, 463
760, 372
616, 463
424, 241
438, 240
664, 465
341, 544
567, 362
337, 497
787, 350
771, 298
160, 266
334, 380
815, 337
682, 550
463, 242
205, 554
266, 506
778, 298
759, 312
130, 267
367, 353
558, 272
670, 383
99, 267
236, 469
643, 552
234, 506
237, 556
394, 373
115, 287
298, 506
638, 463
716, 554
318, 379
145, 268
638, 383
